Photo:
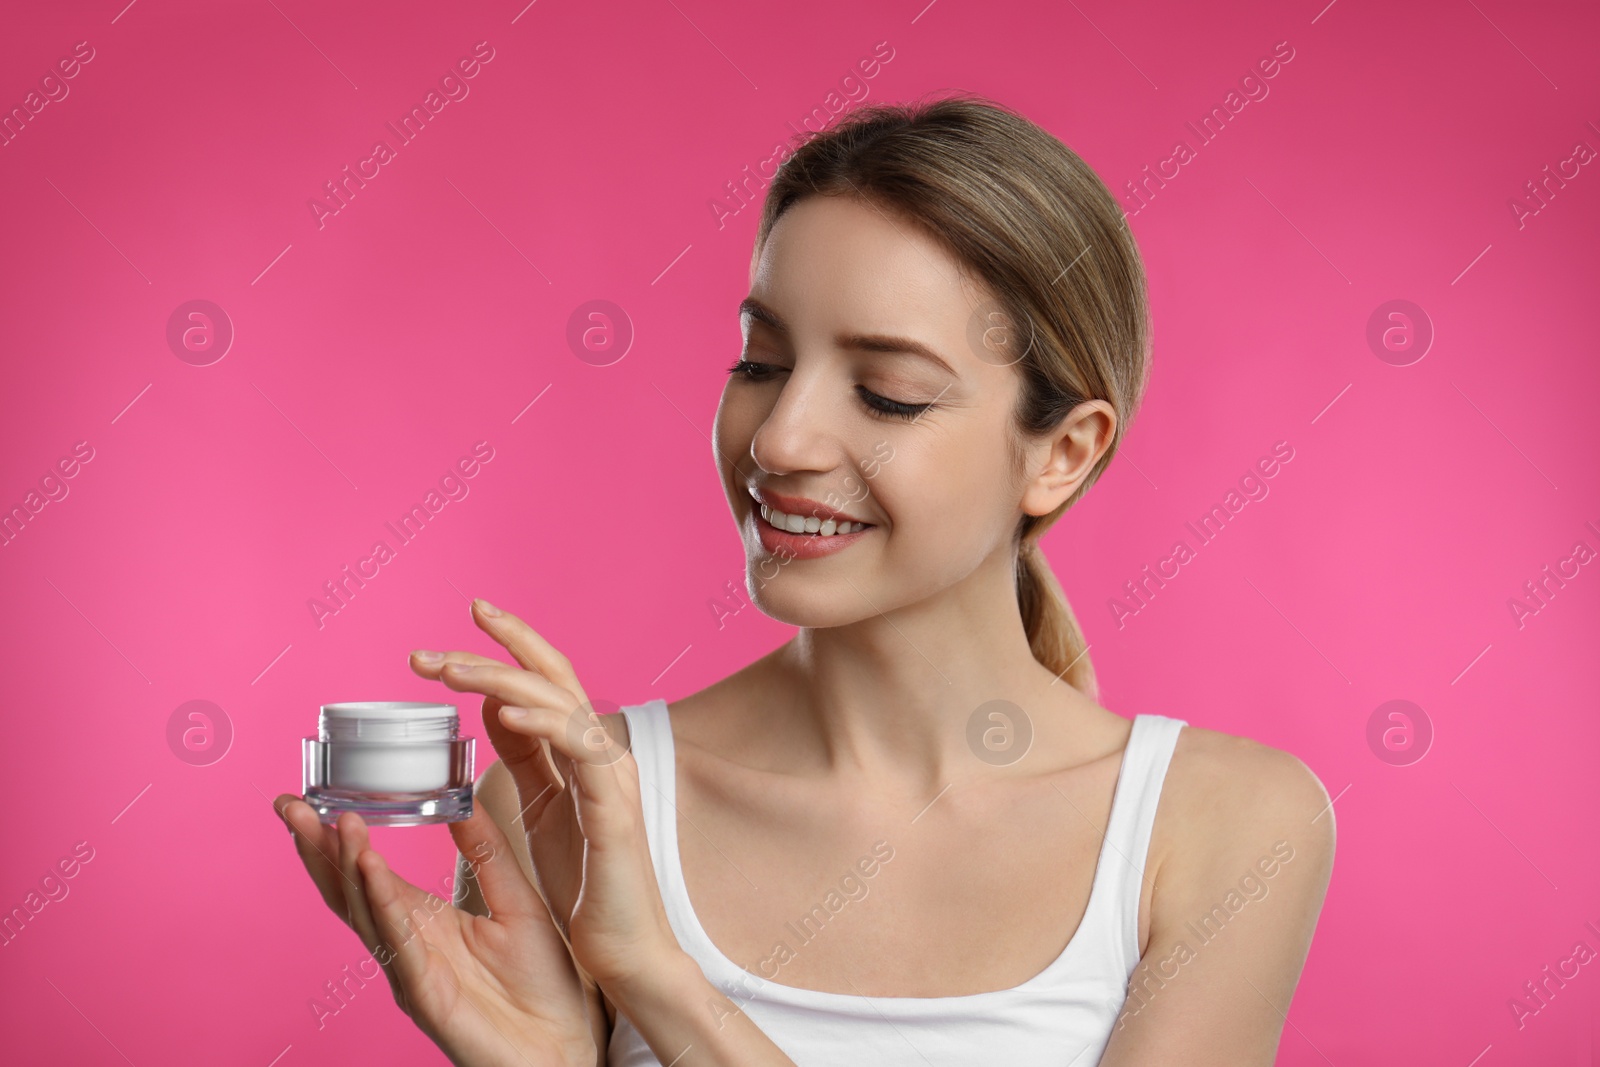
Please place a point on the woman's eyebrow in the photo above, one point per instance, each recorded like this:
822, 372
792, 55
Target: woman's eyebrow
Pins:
761, 313
859, 342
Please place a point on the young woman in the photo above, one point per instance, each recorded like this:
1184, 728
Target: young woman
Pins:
910, 834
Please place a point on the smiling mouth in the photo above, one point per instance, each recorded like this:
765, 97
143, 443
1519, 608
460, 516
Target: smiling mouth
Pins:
803, 525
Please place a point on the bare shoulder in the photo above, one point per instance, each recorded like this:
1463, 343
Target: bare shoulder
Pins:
1224, 779
1228, 801
1242, 853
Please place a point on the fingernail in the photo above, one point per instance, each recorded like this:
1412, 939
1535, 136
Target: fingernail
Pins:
460, 668
428, 656
516, 714
487, 608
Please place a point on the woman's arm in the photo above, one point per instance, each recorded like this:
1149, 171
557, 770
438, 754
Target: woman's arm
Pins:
1235, 902
578, 797
683, 1017
674, 1007
497, 793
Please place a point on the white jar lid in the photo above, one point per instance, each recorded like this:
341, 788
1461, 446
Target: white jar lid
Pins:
398, 721
387, 709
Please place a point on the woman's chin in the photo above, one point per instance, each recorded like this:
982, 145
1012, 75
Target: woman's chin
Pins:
787, 599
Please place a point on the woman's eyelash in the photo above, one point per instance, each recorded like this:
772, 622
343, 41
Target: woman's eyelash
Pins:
883, 407
879, 406
747, 368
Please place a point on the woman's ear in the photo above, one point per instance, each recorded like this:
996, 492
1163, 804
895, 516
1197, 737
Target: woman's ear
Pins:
1061, 461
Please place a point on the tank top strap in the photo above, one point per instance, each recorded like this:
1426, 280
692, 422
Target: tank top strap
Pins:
1133, 814
650, 750
650, 743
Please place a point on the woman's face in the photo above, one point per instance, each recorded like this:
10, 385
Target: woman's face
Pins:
842, 411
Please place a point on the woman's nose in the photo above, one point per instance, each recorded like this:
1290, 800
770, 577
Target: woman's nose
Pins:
798, 432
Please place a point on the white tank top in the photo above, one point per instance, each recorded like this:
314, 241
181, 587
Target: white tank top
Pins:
1063, 1015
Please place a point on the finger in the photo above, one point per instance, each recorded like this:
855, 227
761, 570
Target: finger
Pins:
353, 840
317, 845
510, 684
527, 647
539, 772
531, 763
587, 761
430, 664
492, 861
533, 767
401, 951
429, 667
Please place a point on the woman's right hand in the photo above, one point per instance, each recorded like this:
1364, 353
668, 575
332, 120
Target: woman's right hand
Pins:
488, 990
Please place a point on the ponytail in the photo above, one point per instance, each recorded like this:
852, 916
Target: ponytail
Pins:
1054, 636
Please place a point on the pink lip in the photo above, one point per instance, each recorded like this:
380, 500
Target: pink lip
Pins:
788, 545
795, 505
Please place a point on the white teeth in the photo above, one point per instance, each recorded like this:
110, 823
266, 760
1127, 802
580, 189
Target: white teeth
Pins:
808, 523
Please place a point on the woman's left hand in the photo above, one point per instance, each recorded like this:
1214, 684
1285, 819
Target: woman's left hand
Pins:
494, 989
578, 792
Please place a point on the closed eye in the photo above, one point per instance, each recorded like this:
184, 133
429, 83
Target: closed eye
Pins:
879, 406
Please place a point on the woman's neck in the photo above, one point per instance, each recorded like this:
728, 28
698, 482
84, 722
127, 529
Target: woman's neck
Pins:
920, 695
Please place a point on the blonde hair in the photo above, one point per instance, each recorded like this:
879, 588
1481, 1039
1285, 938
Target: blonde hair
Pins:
1022, 210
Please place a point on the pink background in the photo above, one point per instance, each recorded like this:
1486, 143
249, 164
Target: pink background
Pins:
432, 310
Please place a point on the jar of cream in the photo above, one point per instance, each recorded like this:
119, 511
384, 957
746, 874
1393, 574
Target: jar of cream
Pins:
394, 763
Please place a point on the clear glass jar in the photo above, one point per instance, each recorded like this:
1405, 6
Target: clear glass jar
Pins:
395, 763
